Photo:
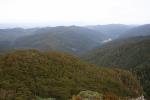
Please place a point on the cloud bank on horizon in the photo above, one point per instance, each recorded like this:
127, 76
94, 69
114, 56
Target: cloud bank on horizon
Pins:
80, 12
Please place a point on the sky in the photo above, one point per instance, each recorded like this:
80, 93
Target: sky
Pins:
75, 12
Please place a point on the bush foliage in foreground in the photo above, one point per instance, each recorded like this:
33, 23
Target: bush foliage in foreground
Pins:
27, 74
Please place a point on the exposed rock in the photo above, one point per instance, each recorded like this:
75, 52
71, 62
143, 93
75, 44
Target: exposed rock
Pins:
88, 95
139, 98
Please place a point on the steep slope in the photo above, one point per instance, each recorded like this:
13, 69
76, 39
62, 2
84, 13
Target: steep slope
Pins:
143, 30
130, 53
71, 39
29, 73
126, 53
112, 30
142, 71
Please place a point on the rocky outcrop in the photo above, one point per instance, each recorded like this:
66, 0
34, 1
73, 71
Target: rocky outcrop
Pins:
91, 95
88, 95
139, 98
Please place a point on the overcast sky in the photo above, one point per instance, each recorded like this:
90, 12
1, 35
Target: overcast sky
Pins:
79, 12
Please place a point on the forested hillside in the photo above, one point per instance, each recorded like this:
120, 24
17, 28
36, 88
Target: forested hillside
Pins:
130, 53
73, 39
27, 74
126, 53
142, 30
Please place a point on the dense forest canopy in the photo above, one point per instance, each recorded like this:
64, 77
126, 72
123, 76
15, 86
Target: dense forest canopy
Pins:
26, 74
130, 53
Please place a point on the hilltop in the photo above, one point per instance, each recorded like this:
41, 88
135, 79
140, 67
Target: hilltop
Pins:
27, 74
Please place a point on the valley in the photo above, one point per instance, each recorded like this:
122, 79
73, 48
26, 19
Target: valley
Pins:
63, 62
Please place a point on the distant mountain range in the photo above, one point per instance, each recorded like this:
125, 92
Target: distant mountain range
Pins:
14, 33
73, 39
112, 30
142, 30
120, 30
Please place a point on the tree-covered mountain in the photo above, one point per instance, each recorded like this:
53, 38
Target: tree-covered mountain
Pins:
27, 74
14, 33
8, 36
142, 30
142, 71
111, 30
130, 53
126, 53
72, 39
